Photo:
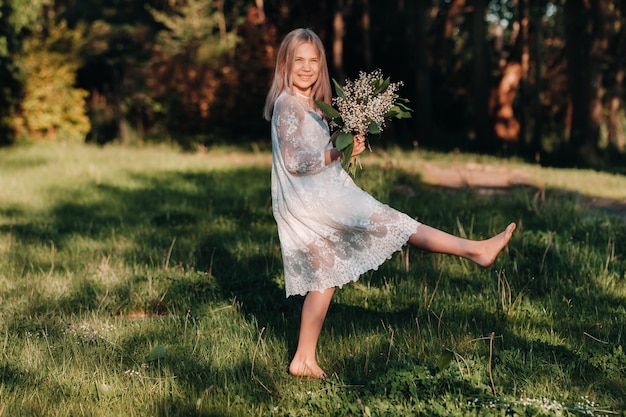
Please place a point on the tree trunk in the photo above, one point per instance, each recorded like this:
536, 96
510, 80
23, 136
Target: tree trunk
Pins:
536, 146
506, 123
584, 52
597, 53
616, 140
117, 103
524, 84
575, 15
338, 34
482, 128
367, 41
423, 92
506, 126
261, 9
11, 86
615, 129
448, 20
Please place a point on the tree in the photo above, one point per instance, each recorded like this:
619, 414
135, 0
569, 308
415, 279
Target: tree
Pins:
615, 88
118, 38
193, 57
52, 107
250, 74
10, 88
512, 58
547, 74
197, 31
535, 13
482, 80
423, 92
366, 23
110, 55
586, 28
449, 56
339, 31
17, 18
450, 14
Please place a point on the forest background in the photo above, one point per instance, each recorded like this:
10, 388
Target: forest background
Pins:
543, 80
134, 280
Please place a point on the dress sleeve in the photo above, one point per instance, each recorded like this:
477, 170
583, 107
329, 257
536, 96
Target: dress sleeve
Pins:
301, 153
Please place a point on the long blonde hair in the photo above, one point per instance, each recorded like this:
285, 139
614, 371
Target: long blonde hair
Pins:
282, 73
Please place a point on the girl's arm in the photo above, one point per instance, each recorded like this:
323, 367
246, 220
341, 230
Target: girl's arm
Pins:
331, 155
299, 157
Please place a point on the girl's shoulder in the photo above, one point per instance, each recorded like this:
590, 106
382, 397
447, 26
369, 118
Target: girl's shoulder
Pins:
286, 98
288, 102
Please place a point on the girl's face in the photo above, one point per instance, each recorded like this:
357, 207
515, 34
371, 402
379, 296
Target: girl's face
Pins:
305, 68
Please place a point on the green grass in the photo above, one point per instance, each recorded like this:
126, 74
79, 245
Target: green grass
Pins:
145, 281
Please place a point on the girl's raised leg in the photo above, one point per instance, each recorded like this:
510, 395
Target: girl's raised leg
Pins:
481, 252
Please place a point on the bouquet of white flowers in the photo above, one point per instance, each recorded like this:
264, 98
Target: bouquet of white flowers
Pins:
362, 107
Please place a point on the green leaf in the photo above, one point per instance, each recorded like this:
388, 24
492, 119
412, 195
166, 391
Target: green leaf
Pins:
339, 89
328, 110
398, 112
403, 106
381, 85
157, 353
403, 103
346, 156
351, 167
445, 358
393, 112
373, 128
344, 140
402, 100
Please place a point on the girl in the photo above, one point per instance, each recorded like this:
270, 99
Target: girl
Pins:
330, 230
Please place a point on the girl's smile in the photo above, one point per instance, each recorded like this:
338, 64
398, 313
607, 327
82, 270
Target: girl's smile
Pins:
305, 68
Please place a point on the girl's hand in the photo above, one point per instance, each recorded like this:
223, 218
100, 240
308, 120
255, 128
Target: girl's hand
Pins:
359, 144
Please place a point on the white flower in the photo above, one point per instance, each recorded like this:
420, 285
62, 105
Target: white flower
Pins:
362, 106
362, 103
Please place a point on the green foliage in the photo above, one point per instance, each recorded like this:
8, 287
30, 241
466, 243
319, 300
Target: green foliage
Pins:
190, 70
26, 14
199, 30
113, 57
17, 18
145, 281
53, 108
179, 88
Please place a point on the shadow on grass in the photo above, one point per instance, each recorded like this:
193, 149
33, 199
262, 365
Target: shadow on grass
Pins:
220, 225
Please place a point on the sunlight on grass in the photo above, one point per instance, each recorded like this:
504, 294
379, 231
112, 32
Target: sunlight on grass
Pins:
147, 281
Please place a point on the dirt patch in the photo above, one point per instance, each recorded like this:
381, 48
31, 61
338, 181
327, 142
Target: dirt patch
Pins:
489, 179
477, 176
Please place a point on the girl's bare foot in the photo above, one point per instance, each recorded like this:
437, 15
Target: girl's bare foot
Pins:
490, 248
306, 368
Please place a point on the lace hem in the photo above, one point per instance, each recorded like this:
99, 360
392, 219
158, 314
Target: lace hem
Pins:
345, 271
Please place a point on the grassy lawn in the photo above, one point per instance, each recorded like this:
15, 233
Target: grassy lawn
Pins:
145, 281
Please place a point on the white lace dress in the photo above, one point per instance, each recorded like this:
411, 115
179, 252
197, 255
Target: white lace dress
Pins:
330, 230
